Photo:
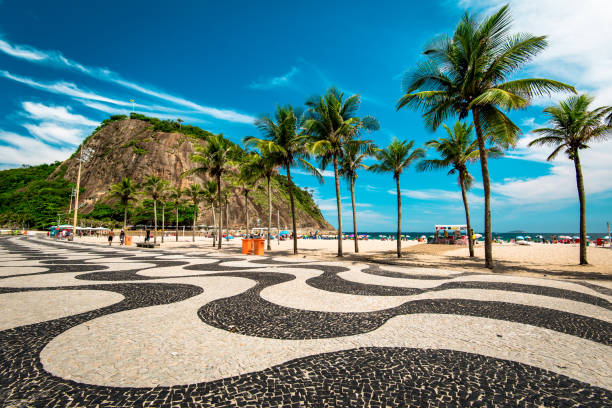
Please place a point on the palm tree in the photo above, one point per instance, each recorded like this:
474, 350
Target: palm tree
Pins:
180, 122
155, 187
467, 73
214, 159
456, 151
330, 122
396, 157
354, 152
175, 196
210, 195
287, 145
195, 193
126, 191
573, 127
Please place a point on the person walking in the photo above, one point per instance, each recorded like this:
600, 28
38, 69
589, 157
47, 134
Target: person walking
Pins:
122, 238
148, 235
110, 238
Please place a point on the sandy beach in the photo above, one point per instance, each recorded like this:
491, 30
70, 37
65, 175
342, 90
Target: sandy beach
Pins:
548, 260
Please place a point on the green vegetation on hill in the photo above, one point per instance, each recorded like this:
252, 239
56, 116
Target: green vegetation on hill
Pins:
29, 198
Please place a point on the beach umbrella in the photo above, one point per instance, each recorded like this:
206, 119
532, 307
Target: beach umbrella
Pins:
520, 238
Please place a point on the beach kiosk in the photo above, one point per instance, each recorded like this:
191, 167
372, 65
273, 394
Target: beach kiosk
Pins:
450, 234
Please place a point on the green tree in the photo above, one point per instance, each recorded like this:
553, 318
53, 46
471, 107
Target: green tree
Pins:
468, 73
284, 142
394, 158
195, 194
154, 187
214, 158
175, 196
354, 152
573, 128
456, 151
330, 122
125, 191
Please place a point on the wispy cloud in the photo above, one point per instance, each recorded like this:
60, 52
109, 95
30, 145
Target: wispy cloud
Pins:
63, 88
324, 173
39, 111
55, 133
18, 150
23, 52
274, 82
57, 59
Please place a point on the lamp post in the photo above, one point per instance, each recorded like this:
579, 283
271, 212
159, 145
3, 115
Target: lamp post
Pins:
83, 156
131, 100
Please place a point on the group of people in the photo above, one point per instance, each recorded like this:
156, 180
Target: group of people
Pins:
111, 235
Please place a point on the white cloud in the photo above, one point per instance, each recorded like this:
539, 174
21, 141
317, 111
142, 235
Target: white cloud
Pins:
578, 53
274, 82
63, 88
55, 133
27, 150
324, 173
20, 51
39, 111
56, 58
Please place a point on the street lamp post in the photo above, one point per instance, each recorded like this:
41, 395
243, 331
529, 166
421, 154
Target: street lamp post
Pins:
83, 156
131, 100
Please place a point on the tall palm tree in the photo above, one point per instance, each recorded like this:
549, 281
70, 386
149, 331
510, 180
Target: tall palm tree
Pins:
175, 196
214, 159
468, 73
284, 142
573, 128
354, 152
210, 195
456, 151
195, 193
154, 187
394, 158
330, 121
126, 191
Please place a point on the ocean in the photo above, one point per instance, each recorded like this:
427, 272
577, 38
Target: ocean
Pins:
505, 236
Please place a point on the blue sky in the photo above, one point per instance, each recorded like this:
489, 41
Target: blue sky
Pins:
65, 65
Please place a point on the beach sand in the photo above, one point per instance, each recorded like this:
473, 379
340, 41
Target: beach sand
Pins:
544, 260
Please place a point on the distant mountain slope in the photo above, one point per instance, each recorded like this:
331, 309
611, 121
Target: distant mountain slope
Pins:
136, 147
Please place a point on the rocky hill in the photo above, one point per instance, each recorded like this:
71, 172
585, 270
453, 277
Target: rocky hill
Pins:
138, 147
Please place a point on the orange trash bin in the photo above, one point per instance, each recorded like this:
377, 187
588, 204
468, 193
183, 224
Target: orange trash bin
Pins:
247, 246
128, 240
258, 245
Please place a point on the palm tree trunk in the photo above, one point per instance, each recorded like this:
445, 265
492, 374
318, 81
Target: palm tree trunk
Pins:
125, 216
177, 222
220, 212
195, 216
582, 199
338, 205
486, 183
354, 214
214, 223
467, 212
155, 221
292, 209
163, 221
269, 216
246, 210
399, 218
227, 220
